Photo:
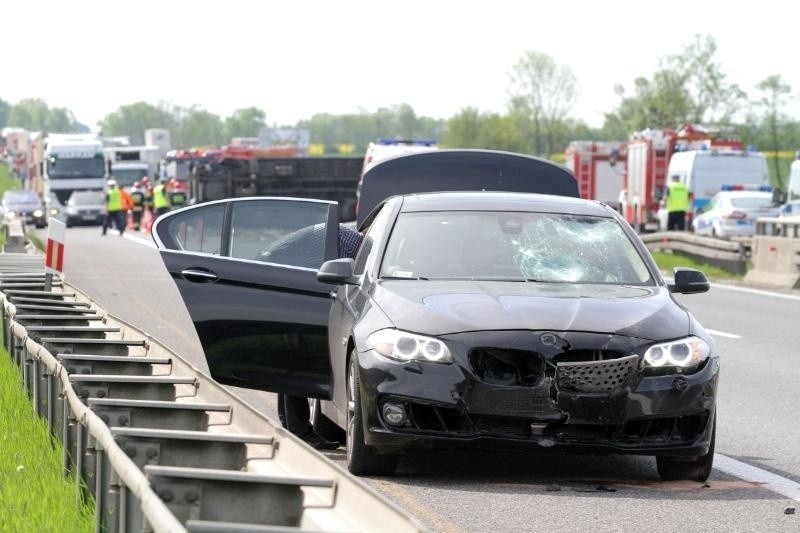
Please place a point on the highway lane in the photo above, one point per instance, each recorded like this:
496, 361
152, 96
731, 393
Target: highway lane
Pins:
514, 492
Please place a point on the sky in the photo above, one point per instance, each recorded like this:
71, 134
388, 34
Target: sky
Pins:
297, 58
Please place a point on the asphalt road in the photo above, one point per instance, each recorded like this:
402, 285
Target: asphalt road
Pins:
757, 335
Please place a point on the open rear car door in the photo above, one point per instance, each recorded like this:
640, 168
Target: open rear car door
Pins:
246, 270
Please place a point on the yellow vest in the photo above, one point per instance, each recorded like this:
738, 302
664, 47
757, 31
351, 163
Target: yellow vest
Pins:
677, 197
114, 200
159, 198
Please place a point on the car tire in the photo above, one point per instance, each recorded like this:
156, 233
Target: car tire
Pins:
696, 469
362, 460
68, 223
324, 426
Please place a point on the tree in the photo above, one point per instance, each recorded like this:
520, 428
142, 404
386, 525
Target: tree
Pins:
246, 122
688, 87
198, 127
30, 113
5, 108
775, 95
713, 99
549, 90
133, 119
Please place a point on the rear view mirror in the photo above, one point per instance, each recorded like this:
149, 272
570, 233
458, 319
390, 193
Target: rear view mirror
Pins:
689, 281
337, 272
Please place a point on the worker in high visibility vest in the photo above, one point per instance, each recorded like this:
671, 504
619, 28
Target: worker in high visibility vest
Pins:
677, 204
160, 200
114, 208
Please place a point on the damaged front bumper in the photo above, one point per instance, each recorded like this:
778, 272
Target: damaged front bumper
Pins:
460, 406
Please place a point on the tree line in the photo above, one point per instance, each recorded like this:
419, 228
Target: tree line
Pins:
688, 86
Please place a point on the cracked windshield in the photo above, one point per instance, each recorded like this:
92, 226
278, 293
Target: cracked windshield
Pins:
514, 246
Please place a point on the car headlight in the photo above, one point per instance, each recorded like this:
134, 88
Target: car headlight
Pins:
405, 346
38, 213
683, 353
71, 210
53, 211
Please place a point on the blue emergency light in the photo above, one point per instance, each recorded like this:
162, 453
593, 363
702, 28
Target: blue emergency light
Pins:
762, 188
418, 142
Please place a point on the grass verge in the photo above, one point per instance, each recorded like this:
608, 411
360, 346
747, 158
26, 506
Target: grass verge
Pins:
34, 495
668, 261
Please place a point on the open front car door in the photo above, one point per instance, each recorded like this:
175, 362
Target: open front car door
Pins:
246, 270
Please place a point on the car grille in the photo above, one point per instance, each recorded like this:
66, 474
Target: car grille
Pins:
597, 376
499, 366
665, 431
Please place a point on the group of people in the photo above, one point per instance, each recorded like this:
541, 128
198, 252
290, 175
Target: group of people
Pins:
120, 202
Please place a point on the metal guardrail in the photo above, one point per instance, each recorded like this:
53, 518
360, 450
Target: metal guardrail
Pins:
779, 227
158, 444
729, 255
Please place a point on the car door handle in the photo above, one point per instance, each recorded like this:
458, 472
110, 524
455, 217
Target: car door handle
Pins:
202, 276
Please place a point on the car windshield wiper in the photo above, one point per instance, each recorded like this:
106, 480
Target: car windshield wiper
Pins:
404, 277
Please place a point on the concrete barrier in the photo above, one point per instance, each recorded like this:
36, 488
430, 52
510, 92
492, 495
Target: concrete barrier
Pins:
776, 253
15, 235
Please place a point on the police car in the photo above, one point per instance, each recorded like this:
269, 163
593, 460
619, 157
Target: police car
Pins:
733, 211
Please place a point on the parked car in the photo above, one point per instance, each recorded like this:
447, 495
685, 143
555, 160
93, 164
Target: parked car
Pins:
790, 209
466, 319
733, 213
85, 208
26, 205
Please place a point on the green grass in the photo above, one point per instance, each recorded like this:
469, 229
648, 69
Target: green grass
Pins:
668, 261
34, 495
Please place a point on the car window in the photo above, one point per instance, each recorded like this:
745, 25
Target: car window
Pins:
752, 202
276, 231
377, 227
512, 246
197, 230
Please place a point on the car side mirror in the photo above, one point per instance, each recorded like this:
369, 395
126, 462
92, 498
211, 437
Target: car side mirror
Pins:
689, 281
337, 272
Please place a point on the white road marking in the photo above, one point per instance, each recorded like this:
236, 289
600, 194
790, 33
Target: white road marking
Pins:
760, 292
773, 482
139, 240
723, 334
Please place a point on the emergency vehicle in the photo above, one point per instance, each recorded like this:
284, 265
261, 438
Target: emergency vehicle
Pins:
649, 156
599, 168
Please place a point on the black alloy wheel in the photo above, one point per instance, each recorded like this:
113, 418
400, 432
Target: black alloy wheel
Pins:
362, 460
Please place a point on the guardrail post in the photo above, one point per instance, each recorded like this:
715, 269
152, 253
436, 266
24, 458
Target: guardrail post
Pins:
111, 520
27, 373
99, 485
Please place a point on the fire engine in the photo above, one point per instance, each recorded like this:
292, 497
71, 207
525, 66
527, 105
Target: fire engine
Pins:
648, 156
599, 168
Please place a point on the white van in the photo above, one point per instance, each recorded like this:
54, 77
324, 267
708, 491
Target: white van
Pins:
793, 188
705, 171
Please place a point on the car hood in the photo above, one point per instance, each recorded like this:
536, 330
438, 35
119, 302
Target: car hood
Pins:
444, 307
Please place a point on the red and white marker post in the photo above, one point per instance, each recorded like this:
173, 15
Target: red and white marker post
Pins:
54, 255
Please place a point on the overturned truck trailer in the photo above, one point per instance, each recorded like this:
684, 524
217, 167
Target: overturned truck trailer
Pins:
325, 178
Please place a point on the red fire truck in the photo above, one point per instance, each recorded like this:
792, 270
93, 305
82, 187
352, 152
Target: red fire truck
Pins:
599, 168
648, 155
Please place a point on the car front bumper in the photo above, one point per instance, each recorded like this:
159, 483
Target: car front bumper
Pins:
448, 407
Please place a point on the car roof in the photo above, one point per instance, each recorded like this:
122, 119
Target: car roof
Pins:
462, 170
501, 201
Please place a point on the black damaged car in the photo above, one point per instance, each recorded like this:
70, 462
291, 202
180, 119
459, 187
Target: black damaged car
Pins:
479, 319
